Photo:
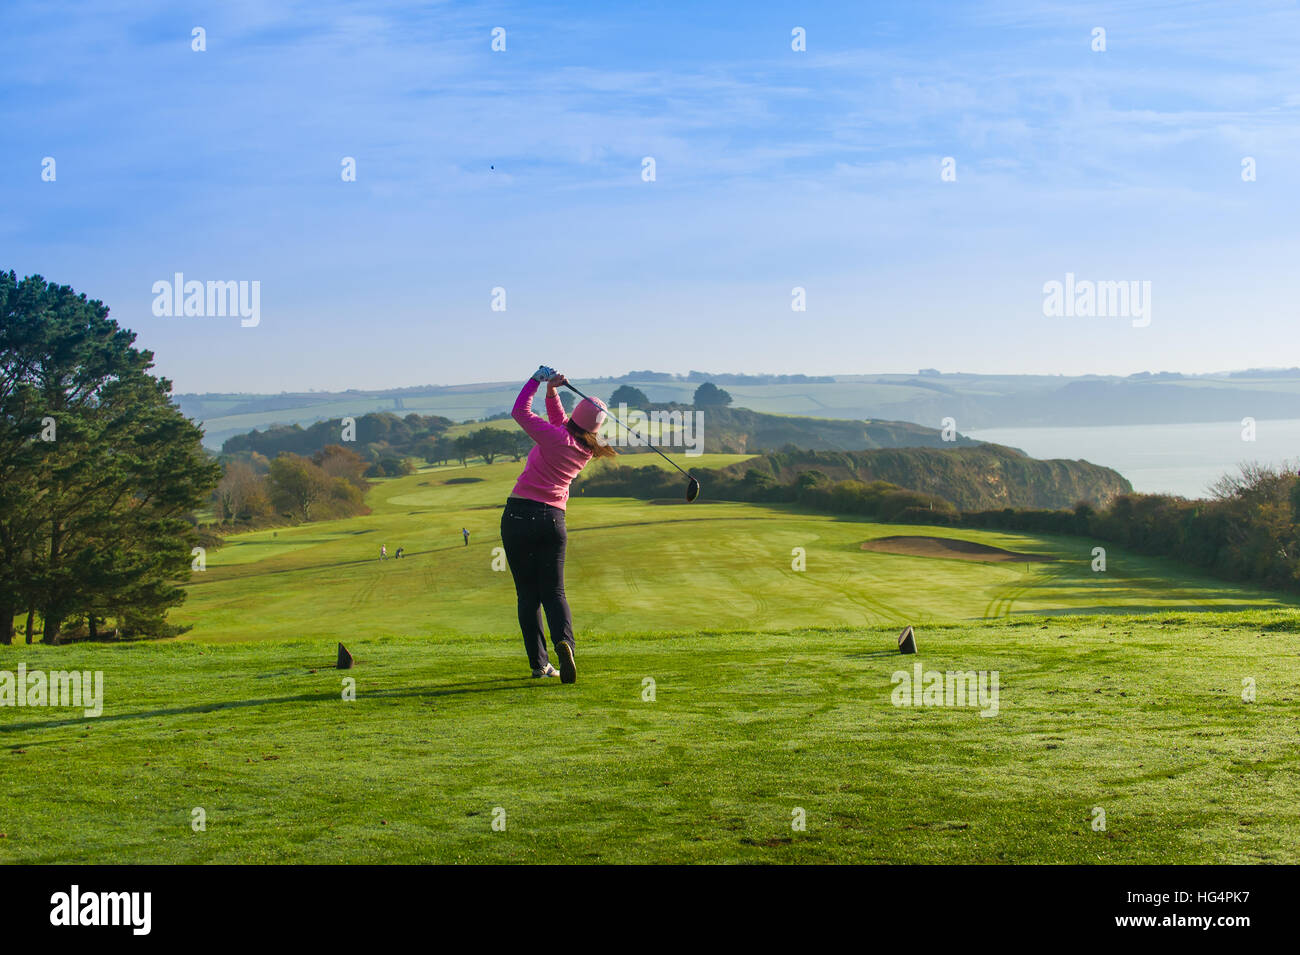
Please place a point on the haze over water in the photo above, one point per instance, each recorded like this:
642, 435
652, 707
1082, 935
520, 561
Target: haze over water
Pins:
1182, 459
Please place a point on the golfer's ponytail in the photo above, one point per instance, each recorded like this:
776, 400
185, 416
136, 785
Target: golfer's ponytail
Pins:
590, 441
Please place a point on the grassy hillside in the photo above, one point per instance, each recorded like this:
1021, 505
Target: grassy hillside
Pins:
711, 563
975, 401
983, 477
737, 430
712, 430
1139, 716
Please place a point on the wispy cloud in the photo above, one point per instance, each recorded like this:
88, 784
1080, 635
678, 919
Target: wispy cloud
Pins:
523, 169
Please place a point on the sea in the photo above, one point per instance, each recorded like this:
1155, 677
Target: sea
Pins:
1183, 459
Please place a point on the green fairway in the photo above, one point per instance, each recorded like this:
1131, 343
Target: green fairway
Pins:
771, 701
636, 564
1140, 717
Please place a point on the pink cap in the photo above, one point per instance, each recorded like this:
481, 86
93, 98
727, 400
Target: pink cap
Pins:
588, 414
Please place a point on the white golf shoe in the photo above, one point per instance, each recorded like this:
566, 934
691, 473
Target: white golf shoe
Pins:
547, 670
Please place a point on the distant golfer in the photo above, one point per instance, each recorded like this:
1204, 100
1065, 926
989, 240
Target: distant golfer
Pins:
465, 531
383, 552
532, 526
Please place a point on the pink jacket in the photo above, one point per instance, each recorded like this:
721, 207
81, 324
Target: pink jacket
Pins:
558, 457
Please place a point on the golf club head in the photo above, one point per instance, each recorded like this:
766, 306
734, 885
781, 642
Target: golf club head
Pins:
692, 489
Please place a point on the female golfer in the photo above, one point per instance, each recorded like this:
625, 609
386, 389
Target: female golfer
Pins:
532, 527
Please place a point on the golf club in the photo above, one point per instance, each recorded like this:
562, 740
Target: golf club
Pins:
692, 485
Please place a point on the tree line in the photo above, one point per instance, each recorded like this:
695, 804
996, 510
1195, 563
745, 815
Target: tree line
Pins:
1248, 530
254, 491
389, 445
980, 476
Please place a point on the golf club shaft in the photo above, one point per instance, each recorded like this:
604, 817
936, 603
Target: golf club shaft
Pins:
637, 433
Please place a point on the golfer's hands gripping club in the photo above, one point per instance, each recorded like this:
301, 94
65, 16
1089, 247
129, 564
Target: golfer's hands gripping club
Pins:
556, 381
544, 373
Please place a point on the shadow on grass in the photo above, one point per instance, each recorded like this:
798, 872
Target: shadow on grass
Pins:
445, 689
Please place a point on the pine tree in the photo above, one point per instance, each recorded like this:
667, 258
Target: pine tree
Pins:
110, 469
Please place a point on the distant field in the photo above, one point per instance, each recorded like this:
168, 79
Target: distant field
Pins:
976, 401
633, 565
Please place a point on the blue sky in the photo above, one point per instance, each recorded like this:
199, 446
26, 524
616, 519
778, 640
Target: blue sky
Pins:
774, 169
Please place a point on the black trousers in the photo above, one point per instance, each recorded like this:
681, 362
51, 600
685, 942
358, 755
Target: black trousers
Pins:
534, 538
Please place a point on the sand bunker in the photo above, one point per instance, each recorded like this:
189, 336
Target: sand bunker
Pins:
946, 547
